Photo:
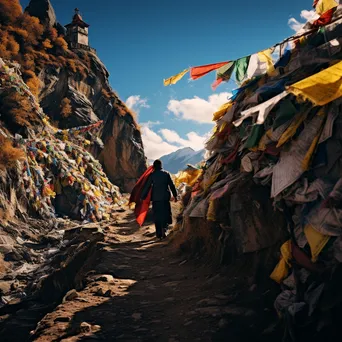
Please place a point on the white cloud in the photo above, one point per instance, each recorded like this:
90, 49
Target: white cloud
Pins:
155, 147
135, 103
304, 14
194, 140
151, 123
197, 109
167, 141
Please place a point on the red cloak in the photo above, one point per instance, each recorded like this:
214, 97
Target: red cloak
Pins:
141, 206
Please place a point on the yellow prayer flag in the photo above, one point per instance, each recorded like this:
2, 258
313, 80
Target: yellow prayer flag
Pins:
316, 240
222, 110
320, 88
175, 79
292, 129
282, 269
325, 5
266, 57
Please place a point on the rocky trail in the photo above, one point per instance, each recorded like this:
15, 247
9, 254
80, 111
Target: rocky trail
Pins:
140, 289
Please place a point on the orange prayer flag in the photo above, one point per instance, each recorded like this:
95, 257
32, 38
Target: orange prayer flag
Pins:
197, 72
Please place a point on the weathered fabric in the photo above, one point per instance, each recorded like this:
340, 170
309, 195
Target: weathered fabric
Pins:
289, 167
327, 221
323, 6
262, 110
281, 271
176, 78
222, 110
321, 88
308, 192
240, 68
225, 72
200, 71
316, 240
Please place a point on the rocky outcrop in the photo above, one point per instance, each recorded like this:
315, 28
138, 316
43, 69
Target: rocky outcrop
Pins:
82, 82
122, 157
43, 10
92, 99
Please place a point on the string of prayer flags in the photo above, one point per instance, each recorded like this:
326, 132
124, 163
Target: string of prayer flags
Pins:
176, 78
200, 71
267, 61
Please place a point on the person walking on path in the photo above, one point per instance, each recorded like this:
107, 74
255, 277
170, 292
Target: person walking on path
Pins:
161, 185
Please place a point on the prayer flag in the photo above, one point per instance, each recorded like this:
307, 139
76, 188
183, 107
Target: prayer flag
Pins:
241, 66
216, 83
324, 19
225, 72
320, 88
199, 71
324, 6
176, 78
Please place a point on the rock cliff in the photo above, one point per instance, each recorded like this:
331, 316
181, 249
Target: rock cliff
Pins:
72, 87
92, 99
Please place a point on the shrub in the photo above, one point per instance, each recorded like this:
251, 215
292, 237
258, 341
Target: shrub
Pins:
61, 43
16, 110
9, 154
9, 48
52, 34
32, 82
47, 44
33, 27
66, 108
10, 10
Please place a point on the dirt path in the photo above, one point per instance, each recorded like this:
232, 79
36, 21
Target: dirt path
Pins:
150, 293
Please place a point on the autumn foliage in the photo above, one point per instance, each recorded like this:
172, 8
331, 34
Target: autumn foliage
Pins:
66, 108
9, 154
25, 40
10, 10
17, 111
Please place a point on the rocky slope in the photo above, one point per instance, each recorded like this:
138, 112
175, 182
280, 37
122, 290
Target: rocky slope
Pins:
49, 95
72, 86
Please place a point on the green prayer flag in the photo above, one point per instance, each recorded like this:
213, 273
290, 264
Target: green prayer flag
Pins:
241, 66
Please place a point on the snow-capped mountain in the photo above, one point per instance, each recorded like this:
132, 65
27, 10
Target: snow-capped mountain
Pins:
178, 160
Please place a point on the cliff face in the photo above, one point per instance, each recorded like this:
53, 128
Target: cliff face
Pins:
72, 87
92, 99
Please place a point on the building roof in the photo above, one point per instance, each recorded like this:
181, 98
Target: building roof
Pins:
77, 20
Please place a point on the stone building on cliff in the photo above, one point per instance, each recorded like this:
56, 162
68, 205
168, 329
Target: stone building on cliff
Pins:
77, 34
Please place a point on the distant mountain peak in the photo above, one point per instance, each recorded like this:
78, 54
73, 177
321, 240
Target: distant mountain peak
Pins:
179, 159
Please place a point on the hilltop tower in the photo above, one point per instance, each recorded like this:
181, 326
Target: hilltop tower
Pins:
77, 34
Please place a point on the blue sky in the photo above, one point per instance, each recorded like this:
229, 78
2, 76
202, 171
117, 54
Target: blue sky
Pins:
142, 42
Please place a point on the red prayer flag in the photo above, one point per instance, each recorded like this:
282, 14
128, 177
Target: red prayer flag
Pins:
197, 72
324, 19
216, 83
141, 206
